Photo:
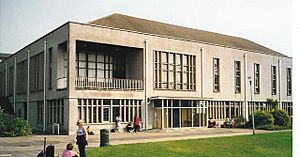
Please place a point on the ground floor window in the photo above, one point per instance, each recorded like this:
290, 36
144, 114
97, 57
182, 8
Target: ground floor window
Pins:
288, 107
55, 111
179, 113
105, 110
40, 111
225, 109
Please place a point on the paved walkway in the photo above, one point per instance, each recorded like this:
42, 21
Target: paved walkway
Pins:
30, 146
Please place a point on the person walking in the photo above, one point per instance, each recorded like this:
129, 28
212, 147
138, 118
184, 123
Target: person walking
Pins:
118, 123
137, 121
81, 138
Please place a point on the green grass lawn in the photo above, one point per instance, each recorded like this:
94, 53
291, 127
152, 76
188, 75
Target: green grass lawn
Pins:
271, 145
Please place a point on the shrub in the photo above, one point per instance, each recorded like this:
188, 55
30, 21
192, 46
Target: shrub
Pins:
239, 122
13, 126
261, 118
281, 117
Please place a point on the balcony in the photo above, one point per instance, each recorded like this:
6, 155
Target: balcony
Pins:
61, 83
108, 83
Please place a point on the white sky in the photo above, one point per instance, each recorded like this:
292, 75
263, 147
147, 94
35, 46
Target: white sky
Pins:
267, 22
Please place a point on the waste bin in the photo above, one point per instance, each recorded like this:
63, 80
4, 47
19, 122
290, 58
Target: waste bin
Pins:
50, 151
104, 137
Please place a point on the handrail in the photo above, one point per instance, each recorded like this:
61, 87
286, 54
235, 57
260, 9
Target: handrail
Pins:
108, 83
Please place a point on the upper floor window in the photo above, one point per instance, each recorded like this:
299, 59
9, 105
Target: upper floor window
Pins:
50, 65
36, 72
22, 69
216, 78
100, 65
237, 77
11, 80
174, 71
273, 80
289, 81
256, 78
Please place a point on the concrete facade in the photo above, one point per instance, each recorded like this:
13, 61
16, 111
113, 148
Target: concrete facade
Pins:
65, 96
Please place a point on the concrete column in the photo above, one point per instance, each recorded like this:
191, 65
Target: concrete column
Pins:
71, 111
245, 108
145, 57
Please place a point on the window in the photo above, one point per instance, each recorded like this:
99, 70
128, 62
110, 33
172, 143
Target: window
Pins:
106, 110
10, 80
174, 71
273, 80
2, 84
256, 78
55, 111
50, 64
216, 78
289, 81
22, 77
237, 76
37, 72
40, 111
100, 65
106, 114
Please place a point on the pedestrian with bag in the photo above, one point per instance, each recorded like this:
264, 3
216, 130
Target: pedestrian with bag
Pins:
81, 138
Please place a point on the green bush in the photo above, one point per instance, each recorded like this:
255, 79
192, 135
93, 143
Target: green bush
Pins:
281, 117
261, 118
13, 126
239, 122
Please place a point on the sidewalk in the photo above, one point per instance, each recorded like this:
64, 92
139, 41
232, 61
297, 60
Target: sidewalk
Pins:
30, 146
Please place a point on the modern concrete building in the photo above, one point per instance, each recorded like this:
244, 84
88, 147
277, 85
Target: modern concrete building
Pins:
172, 76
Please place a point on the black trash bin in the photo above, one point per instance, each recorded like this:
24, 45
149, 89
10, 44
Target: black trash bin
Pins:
50, 151
104, 137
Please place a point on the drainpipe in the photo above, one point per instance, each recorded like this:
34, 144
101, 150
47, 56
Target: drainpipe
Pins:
279, 83
245, 88
44, 109
15, 75
28, 81
146, 83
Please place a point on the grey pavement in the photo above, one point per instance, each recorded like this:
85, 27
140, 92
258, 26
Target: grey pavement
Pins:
30, 146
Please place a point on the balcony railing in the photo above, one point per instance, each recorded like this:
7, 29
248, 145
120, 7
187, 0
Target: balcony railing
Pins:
108, 83
62, 83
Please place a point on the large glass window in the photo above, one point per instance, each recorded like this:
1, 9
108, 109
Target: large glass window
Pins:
37, 72
50, 66
106, 110
273, 81
237, 76
22, 77
174, 71
256, 78
289, 81
100, 65
11, 80
216, 78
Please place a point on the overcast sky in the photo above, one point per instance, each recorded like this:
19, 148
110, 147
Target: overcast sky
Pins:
267, 22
